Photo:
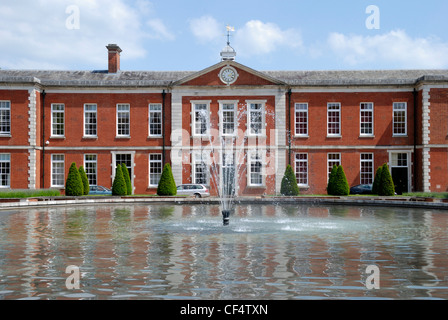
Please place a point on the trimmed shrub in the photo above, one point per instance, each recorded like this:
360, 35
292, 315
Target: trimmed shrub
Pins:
167, 185
119, 185
127, 178
73, 184
377, 181
387, 187
289, 185
85, 181
340, 185
331, 179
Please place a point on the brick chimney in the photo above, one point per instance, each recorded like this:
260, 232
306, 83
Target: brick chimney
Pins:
114, 58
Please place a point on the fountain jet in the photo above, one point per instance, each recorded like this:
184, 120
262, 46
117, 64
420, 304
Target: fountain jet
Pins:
225, 217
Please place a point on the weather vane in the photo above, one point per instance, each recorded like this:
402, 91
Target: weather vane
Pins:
229, 29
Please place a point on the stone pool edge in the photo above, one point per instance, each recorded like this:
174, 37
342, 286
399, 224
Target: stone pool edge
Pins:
397, 201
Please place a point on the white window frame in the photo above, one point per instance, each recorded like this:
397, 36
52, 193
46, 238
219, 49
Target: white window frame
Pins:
331, 162
250, 103
362, 114
298, 108
88, 168
153, 161
338, 111
53, 174
228, 161
207, 118
400, 107
297, 163
261, 157
222, 104
199, 158
53, 124
154, 110
395, 163
5, 158
5, 117
372, 168
87, 125
118, 112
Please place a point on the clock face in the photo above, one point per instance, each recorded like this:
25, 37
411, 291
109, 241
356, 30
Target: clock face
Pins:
228, 75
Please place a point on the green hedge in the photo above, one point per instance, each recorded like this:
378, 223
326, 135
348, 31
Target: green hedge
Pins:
85, 181
337, 183
119, 184
167, 185
377, 181
127, 178
289, 185
29, 193
331, 179
383, 185
387, 187
73, 184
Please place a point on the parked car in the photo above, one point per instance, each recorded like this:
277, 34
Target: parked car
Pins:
196, 190
100, 190
361, 189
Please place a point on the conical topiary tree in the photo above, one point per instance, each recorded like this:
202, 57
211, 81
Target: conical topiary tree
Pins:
73, 184
289, 185
331, 179
377, 181
127, 178
167, 185
119, 185
340, 184
85, 181
387, 187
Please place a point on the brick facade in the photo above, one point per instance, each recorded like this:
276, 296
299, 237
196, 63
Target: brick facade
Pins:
306, 119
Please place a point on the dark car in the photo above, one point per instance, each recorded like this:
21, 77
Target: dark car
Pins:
100, 190
361, 189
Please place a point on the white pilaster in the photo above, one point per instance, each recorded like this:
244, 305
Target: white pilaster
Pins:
176, 136
280, 139
32, 138
426, 110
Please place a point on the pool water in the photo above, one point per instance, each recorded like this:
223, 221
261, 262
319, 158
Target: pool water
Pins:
283, 252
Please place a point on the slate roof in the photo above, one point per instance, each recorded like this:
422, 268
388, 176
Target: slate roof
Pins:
94, 78
358, 77
166, 78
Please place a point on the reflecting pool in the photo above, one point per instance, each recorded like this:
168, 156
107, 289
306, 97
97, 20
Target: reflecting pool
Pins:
184, 252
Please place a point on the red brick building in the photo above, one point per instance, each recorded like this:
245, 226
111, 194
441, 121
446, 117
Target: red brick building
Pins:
227, 119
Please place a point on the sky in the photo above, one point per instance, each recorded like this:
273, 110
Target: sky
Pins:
188, 35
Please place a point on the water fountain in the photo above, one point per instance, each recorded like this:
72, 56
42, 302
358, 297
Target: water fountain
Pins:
231, 171
227, 166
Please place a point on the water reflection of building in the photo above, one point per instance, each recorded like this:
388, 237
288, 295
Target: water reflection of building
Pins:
154, 251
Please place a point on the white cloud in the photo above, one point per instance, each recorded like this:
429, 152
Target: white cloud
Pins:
34, 34
159, 30
206, 29
257, 38
395, 49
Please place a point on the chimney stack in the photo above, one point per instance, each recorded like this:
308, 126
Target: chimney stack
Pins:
114, 58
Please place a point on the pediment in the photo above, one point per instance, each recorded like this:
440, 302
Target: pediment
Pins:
245, 76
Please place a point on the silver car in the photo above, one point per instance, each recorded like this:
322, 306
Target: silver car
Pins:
196, 190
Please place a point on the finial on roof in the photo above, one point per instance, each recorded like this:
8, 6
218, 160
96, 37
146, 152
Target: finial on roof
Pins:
228, 53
